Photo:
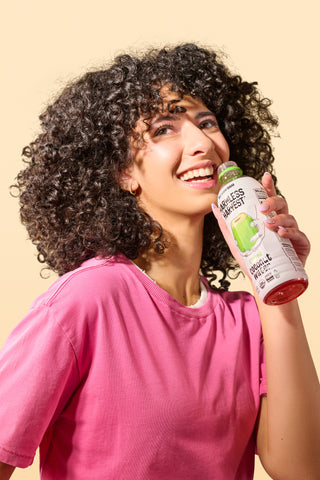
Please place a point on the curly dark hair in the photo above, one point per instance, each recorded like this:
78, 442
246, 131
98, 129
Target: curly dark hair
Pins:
70, 199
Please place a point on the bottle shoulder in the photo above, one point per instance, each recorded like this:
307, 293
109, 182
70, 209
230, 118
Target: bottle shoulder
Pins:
243, 182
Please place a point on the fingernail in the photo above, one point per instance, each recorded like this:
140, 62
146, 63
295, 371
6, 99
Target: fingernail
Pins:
213, 206
267, 173
269, 220
282, 228
263, 207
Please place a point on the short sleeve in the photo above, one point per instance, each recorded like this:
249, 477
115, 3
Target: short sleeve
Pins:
38, 373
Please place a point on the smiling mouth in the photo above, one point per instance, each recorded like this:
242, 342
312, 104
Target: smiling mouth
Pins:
198, 175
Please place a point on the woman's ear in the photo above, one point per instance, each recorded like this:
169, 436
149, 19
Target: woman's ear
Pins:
127, 182
124, 179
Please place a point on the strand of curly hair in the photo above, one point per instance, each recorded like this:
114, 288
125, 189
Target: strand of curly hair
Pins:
70, 199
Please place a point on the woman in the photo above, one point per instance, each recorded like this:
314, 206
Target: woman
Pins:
132, 366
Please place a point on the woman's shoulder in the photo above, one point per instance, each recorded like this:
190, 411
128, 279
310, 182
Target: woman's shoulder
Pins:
77, 302
230, 297
95, 277
238, 296
239, 304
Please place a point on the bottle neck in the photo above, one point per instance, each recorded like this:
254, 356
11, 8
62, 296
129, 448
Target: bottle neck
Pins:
230, 174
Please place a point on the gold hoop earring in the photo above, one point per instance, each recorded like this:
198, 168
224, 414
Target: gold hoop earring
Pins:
133, 192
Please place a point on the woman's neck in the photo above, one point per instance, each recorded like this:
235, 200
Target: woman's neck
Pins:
177, 269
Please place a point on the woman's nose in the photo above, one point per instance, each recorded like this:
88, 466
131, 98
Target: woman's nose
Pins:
196, 141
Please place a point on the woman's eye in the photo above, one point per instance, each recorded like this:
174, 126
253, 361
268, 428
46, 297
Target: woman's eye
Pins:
163, 130
210, 123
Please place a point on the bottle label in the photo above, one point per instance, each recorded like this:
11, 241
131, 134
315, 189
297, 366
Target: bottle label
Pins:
269, 259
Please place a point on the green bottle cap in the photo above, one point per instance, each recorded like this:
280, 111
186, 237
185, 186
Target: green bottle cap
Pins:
228, 167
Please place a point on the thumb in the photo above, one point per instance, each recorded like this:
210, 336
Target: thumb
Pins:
228, 236
222, 224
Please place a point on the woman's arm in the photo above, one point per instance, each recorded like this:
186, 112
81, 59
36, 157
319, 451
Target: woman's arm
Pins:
6, 471
288, 433
288, 429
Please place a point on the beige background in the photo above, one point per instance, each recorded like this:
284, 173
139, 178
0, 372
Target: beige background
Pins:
46, 43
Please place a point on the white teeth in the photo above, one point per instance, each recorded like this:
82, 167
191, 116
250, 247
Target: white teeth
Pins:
200, 172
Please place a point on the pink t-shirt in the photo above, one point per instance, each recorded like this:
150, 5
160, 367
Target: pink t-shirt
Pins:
116, 380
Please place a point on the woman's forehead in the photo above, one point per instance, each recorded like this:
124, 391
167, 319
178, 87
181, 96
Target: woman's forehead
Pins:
173, 102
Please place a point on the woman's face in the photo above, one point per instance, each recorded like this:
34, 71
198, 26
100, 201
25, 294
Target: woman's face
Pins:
176, 167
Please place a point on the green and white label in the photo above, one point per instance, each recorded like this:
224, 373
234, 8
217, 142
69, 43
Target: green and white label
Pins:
270, 259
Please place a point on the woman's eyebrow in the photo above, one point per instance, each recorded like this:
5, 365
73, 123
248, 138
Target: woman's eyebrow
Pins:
207, 113
165, 118
173, 117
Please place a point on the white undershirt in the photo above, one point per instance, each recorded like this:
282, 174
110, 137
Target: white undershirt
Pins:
203, 296
203, 290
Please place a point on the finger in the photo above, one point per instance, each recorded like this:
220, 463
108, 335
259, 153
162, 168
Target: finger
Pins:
274, 204
281, 221
298, 238
221, 221
228, 236
268, 185
299, 241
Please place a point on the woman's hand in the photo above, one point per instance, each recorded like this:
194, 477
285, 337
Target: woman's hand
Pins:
281, 222
229, 238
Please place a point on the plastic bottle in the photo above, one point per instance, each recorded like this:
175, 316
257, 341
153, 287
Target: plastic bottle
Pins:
275, 269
